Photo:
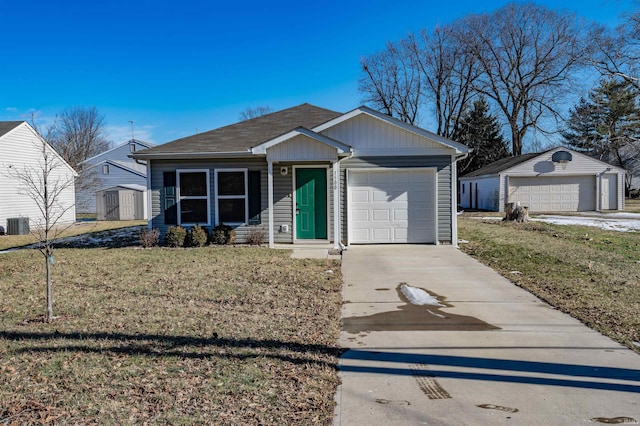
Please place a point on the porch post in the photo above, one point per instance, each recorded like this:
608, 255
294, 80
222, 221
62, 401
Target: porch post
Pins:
270, 190
336, 205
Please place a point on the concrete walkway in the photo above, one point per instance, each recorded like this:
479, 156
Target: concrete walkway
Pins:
496, 355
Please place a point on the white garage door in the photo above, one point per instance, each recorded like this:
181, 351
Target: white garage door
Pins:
392, 206
554, 194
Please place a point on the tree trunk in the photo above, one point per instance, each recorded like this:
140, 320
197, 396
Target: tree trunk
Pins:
47, 260
515, 212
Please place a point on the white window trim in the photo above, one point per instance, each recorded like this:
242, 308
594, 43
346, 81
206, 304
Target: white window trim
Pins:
105, 169
193, 197
232, 197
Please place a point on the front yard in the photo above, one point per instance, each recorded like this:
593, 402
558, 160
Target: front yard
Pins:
216, 335
592, 274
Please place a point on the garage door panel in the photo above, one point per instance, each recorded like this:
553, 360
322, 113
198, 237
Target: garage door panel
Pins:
398, 207
381, 215
555, 193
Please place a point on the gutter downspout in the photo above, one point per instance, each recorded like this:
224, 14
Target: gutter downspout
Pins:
337, 228
454, 198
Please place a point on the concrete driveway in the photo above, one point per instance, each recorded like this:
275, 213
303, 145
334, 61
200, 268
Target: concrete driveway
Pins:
494, 355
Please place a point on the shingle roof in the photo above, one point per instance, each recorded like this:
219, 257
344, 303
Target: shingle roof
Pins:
7, 126
244, 135
501, 165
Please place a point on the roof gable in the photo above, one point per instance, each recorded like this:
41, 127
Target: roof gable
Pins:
7, 126
118, 148
509, 163
458, 147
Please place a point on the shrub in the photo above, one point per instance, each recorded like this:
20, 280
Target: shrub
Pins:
196, 237
175, 236
255, 236
222, 234
149, 237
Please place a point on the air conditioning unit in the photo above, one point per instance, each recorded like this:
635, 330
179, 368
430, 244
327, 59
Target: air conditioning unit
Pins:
18, 226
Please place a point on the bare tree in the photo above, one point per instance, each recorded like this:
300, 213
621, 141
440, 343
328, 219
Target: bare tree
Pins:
527, 54
79, 133
618, 50
448, 72
391, 82
46, 184
259, 111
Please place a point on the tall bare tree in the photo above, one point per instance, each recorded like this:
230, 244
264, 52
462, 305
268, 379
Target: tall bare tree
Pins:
448, 72
618, 50
46, 183
79, 133
527, 54
391, 81
258, 111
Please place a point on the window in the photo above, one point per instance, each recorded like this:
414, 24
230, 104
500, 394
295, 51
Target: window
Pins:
132, 147
193, 194
231, 196
463, 185
105, 169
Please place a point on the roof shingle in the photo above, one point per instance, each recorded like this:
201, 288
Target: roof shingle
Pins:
502, 164
7, 126
244, 135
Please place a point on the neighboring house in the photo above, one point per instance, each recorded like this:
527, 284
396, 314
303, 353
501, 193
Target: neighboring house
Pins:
558, 180
22, 152
110, 169
308, 174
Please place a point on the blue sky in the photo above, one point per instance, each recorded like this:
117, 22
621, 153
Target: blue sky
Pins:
175, 67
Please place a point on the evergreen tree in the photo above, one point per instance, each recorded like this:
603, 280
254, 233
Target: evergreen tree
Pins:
481, 131
606, 124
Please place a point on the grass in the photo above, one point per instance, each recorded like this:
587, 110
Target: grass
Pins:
217, 335
591, 274
632, 205
78, 228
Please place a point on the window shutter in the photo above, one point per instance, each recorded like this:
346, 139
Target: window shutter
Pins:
170, 205
255, 198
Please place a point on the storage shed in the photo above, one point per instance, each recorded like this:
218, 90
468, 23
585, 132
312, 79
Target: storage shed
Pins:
122, 202
558, 180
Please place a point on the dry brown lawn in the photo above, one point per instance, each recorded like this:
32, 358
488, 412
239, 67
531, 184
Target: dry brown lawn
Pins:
217, 335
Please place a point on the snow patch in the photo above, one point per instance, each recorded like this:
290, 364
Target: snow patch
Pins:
606, 223
417, 296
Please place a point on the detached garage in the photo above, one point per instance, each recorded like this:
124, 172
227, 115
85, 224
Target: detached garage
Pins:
558, 180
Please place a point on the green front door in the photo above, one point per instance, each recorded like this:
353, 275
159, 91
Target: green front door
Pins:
311, 203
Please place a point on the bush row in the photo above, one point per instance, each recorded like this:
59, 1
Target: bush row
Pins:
197, 236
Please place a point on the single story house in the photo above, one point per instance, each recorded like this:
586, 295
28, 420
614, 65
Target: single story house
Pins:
308, 174
23, 156
109, 169
558, 180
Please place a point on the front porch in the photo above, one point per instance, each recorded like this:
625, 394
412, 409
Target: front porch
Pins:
314, 200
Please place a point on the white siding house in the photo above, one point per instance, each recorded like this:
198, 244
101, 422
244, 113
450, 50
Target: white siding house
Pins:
545, 182
22, 153
109, 169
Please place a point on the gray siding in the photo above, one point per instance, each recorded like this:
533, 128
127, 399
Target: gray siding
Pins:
160, 166
441, 162
282, 202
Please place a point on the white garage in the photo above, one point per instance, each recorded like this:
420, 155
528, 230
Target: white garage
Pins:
558, 180
554, 193
392, 206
